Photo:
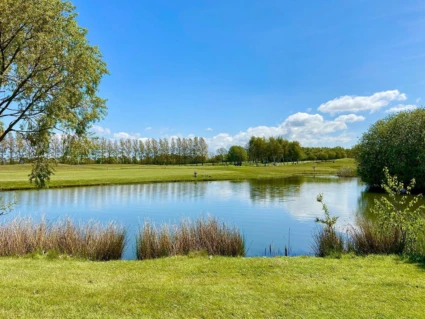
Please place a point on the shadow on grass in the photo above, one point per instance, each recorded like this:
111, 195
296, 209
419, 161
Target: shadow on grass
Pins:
418, 260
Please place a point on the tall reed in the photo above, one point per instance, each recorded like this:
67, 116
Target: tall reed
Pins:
204, 234
91, 240
347, 172
369, 238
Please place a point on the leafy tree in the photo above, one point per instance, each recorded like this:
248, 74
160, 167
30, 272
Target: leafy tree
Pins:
49, 75
257, 149
237, 154
295, 152
222, 152
173, 150
396, 142
275, 149
203, 148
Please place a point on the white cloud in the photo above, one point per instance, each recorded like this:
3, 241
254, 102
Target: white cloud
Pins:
148, 128
100, 130
418, 100
352, 103
401, 107
309, 110
209, 129
126, 135
308, 129
350, 118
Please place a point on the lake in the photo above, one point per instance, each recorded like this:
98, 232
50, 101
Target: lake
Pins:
268, 212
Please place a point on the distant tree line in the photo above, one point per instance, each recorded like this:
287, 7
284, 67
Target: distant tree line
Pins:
278, 150
71, 149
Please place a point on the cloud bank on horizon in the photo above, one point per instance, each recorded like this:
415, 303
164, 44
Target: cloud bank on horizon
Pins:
309, 129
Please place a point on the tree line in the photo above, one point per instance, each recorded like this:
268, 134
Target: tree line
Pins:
277, 149
73, 149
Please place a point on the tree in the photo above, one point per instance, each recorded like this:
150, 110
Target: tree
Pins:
173, 150
275, 149
203, 150
237, 154
295, 152
396, 142
257, 149
222, 152
49, 76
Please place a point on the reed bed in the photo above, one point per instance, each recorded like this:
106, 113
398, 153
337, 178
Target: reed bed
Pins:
328, 242
91, 240
204, 234
346, 172
367, 238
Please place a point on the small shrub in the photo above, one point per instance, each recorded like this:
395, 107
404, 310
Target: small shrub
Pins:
188, 238
327, 241
398, 225
399, 213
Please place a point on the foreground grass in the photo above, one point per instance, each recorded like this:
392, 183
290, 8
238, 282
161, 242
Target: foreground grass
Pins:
16, 176
301, 287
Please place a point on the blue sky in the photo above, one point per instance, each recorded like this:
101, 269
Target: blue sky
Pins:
316, 71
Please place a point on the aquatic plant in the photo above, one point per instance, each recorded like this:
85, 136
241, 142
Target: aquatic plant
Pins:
326, 240
204, 234
91, 240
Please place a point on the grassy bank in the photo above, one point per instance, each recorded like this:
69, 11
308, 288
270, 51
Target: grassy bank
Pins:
16, 176
183, 287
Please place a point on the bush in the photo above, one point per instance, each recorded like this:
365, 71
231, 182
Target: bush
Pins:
398, 225
327, 241
396, 142
188, 237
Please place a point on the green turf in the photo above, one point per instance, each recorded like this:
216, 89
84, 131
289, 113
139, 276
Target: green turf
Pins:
183, 287
16, 176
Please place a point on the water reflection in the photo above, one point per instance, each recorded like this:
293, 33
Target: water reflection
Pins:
264, 210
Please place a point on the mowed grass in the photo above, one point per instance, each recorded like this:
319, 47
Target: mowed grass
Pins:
184, 287
16, 176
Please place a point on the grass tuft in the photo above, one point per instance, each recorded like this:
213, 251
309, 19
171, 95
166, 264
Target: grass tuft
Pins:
206, 234
91, 240
367, 238
346, 172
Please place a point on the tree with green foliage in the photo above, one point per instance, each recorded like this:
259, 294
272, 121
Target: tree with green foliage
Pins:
257, 149
396, 142
275, 149
295, 152
49, 76
222, 153
237, 154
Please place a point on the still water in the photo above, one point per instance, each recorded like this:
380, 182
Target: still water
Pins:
268, 212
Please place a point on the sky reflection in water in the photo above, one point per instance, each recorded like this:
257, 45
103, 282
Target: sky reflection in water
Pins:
263, 210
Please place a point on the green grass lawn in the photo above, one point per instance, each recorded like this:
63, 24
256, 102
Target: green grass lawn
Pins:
183, 287
16, 176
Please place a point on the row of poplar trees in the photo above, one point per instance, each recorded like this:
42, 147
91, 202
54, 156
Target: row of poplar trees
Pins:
70, 149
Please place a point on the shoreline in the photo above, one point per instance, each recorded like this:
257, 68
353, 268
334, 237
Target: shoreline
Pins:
170, 181
15, 177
